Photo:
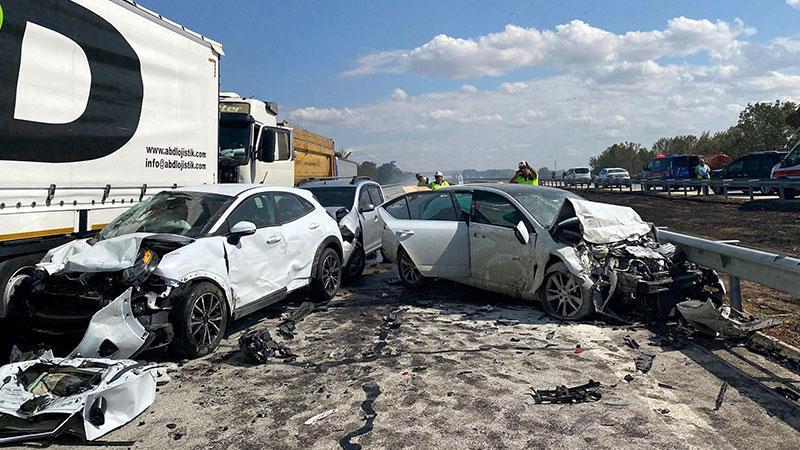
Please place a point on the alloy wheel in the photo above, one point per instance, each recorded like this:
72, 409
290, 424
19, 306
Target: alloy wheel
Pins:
206, 320
563, 294
408, 270
331, 274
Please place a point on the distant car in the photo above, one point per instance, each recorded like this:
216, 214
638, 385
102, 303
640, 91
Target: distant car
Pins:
177, 267
352, 202
752, 166
678, 167
612, 174
577, 175
788, 169
577, 257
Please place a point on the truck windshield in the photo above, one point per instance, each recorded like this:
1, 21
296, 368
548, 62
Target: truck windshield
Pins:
183, 213
234, 143
335, 196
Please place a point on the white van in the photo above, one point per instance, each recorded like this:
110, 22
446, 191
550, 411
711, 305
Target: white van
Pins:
576, 175
788, 169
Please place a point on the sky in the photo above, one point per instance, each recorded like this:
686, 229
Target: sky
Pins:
451, 85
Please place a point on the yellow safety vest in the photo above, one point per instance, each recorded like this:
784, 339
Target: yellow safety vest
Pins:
435, 186
532, 182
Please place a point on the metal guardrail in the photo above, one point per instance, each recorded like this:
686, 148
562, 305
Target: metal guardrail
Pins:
785, 189
772, 270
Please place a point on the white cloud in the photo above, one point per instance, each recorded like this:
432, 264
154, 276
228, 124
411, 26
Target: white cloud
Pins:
793, 3
574, 44
399, 94
470, 89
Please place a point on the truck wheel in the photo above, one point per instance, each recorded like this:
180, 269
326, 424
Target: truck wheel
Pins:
563, 295
13, 273
409, 274
356, 264
200, 319
328, 276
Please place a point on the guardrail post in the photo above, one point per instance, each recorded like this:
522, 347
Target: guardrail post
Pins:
735, 293
725, 190
781, 192
685, 191
750, 186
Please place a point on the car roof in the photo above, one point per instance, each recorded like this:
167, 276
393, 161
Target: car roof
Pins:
509, 188
764, 153
234, 190
337, 182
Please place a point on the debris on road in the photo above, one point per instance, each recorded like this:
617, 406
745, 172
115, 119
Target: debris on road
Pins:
43, 398
589, 392
372, 390
644, 362
662, 411
788, 392
630, 342
319, 417
665, 385
721, 396
259, 346
628, 378
722, 321
507, 322
286, 328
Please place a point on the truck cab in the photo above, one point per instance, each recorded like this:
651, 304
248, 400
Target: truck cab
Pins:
253, 148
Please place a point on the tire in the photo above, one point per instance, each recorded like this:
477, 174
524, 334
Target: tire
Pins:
18, 269
407, 270
200, 318
356, 264
563, 295
327, 276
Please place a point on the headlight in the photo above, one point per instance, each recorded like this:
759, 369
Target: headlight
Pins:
146, 263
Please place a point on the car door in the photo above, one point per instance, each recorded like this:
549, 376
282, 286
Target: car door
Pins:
496, 256
370, 231
371, 227
428, 228
255, 262
303, 233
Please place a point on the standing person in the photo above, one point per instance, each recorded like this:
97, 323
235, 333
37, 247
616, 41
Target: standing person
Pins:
422, 181
525, 175
702, 172
439, 181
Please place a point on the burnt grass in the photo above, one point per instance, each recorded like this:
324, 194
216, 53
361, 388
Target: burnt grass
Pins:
764, 224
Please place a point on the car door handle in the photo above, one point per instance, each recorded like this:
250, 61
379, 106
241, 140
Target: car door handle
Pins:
404, 232
479, 235
273, 240
313, 226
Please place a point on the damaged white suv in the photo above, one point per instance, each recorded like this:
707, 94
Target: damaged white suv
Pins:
174, 269
577, 257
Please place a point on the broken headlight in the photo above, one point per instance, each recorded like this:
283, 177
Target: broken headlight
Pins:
146, 263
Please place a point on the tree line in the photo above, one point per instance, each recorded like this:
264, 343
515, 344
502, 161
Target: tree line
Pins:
761, 127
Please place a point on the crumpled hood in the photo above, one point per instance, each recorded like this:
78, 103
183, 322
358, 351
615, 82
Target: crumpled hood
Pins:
108, 255
603, 223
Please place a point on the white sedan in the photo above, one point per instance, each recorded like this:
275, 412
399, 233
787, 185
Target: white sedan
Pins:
612, 173
176, 268
576, 257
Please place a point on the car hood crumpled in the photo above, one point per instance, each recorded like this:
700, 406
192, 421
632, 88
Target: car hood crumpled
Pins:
603, 223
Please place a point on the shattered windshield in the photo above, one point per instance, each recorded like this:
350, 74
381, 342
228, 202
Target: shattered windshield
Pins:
543, 205
335, 196
182, 213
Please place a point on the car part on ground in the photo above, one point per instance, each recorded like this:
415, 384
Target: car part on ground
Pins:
46, 397
260, 347
589, 392
722, 321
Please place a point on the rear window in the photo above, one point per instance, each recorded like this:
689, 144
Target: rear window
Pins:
582, 170
335, 196
398, 209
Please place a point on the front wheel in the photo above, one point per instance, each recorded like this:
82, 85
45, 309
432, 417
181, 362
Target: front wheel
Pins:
200, 320
409, 274
356, 264
563, 296
328, 276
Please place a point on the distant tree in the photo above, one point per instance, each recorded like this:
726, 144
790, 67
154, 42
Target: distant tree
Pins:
368, 169
631, 156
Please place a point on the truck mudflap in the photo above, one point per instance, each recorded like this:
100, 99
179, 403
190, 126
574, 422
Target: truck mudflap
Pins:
113, 332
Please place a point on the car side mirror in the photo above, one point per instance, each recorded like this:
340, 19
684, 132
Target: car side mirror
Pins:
368, 208
243, 228
521, 233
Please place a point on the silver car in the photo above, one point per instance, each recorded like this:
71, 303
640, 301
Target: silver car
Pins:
576, 257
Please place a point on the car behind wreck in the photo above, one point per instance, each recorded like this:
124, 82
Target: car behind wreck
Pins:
174, 269
576, 257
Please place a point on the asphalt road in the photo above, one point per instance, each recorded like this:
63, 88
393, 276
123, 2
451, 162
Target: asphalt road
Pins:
452, 376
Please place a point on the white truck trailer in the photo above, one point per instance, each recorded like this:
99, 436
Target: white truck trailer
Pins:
102, 103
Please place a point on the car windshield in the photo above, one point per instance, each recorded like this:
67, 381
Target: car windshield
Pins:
581, 170
183, 213
234, 140
543, 205
335, 195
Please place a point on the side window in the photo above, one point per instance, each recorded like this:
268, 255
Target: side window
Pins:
793, 158
363, 198
750, 166
431, 206
291, 207
258, 209
398, 209
735, 168
284, 147
376, 195
464, 203
266, 145
494, 209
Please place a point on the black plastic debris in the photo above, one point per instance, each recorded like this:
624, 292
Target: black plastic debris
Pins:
372, 390
644, 362
259, 346
507, 322
666, 386
628, 378
392, 320
589, 392
721, 396
662, 411
287, 327
630, 342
